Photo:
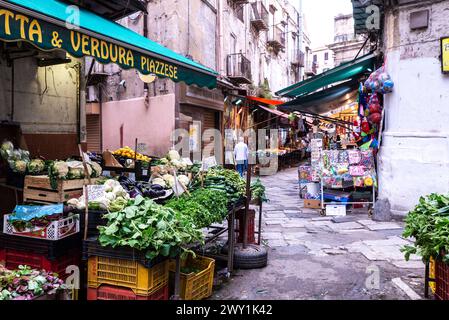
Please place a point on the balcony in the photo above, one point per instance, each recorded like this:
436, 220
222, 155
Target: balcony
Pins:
298, 58
277, 39
238, 68
311, 69
238, 2
259, 16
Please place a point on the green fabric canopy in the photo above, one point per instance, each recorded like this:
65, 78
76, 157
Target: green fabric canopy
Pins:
346, 71
322, 101
53, 24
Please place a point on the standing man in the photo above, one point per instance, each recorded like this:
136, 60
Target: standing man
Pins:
241, 156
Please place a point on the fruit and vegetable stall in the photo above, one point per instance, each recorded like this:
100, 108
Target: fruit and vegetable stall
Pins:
148, 236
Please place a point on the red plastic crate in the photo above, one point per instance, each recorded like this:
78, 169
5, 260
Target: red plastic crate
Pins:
14, 258
442, 280
106, 292
251, 225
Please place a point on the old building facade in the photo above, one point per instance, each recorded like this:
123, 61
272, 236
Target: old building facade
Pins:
248, 43
414, 155
346, 44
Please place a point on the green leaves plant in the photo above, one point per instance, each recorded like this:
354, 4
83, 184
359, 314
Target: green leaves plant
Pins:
428, 224
145, 225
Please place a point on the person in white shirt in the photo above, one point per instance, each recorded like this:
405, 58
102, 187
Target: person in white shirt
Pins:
241, 156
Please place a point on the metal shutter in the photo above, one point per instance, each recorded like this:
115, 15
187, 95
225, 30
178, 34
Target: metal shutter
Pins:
93, 130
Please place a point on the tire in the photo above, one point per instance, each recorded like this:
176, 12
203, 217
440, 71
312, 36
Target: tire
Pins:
253, 257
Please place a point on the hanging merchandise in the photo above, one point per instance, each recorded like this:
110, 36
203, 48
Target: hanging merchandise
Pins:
380, 81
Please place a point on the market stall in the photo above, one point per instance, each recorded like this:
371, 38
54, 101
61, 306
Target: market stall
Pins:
342, 171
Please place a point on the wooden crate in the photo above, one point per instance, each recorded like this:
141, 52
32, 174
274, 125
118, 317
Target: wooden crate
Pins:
312, 204
38, 189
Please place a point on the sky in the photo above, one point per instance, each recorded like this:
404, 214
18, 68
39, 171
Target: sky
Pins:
319, 18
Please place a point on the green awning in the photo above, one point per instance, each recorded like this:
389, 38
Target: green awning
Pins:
347, 71
322, 101
53, 24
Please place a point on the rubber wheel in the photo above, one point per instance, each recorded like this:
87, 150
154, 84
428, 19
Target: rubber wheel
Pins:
252, 257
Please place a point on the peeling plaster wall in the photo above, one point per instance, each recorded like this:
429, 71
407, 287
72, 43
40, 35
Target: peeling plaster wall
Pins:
41, 106
414, 159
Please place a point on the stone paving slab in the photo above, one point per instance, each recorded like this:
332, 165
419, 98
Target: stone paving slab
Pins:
415, 264
390, 241
383, 226
272, 236
345, 226
276, 243
294, 224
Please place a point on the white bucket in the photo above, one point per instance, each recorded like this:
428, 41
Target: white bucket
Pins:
313, 188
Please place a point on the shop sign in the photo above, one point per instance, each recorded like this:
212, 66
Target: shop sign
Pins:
16, 26
445, 55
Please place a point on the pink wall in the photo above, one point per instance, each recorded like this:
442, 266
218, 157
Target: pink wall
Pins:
152, 125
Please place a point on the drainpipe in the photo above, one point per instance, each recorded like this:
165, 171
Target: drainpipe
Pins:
301, 36
219, 38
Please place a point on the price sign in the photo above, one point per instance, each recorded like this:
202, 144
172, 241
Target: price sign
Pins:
95, 192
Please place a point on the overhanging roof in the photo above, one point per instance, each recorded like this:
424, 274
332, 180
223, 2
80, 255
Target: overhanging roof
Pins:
346, 71
265, 101
105, 40
111, 9
323, 101
274, 111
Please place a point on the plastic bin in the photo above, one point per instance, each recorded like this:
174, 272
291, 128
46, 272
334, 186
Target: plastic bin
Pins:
14, 258
92, 248
95, 219
106, 292
432, 285
195, 286
442, 280
56, 230
126, 273
52, 250
250, 227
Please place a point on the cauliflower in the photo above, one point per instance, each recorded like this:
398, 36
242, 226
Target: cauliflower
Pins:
36, 166
164, 161
6, 149
111, 184
20, 166
97, 170
173, 155
76, 169
169, 180
60, 169
160, 182
110, 196
184, 180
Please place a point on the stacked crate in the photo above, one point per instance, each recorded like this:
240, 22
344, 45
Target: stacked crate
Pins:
54, 256
124, 274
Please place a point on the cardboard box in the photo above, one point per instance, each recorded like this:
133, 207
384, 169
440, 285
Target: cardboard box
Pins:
312, 204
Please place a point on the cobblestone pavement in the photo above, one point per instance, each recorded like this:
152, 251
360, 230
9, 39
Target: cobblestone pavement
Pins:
313, 257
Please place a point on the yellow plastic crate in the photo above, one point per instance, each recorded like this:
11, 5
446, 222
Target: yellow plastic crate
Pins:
128, 274
432, 275
196, 286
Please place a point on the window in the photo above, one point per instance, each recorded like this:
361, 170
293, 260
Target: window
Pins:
239, 12
326, 56
315, 58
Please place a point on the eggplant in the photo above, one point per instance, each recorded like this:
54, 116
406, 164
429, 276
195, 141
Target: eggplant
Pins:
157, 187
134, 192
160, 193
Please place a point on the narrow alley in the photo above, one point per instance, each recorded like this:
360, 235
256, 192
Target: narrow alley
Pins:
312, 257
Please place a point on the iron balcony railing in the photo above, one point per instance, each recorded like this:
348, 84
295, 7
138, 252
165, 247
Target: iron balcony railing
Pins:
238, 68
259, 16
298, 58
277, 38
